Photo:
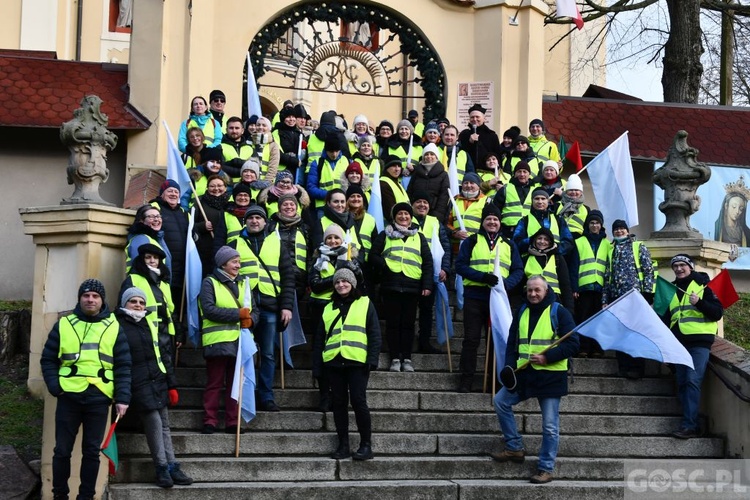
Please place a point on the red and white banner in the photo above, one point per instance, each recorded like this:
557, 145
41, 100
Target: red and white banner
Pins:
568, 8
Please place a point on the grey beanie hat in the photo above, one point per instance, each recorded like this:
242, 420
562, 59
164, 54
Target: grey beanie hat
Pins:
131, 292
224, 255
346, 275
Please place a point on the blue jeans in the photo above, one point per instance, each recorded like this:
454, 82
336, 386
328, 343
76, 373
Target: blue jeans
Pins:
689, 387
265, 336
504, 401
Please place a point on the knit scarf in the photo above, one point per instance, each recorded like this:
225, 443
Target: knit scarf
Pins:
398, 231
217, 202
327, 255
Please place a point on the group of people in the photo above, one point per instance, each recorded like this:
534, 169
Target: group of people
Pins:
282, 211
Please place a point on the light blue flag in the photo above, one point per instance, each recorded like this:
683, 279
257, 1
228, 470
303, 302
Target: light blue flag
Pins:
253, 99
375, 208
245, 365
443, 320
193, 274
176, 169
629, 325
293, 335
500, 315
611, 174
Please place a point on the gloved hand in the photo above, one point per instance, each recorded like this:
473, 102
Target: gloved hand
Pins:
174, 398
490, 279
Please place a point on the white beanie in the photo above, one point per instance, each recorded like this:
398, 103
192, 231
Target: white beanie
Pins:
574, 182
431, 148
361, 119
551, 164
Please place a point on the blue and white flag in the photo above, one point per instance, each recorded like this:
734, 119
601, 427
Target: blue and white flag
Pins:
459, 278
500, 315
443, 320
455, 182
176, 169
293, 334
253, 99
375, 208
193, 279
630, 325
245, 365
611, 174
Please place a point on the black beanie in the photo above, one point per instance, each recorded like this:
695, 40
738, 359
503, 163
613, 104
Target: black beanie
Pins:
619, 224
92, 285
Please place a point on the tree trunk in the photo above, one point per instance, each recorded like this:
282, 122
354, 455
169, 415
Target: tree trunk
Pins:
682, 53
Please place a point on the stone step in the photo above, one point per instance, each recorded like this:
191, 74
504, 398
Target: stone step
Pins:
246, 469
407, 444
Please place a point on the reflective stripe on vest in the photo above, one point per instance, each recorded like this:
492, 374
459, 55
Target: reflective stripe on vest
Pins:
365, 234
591, 267
86, 354
403, 155
329, 177
532, 226
234, 227
214, 332
300, 250
152, 306
541, 338
348, 337
483, 259
399, 193
404, 256
575, 222
250, 266
472, 215
549, 272
428, 228
128, 260
691, 320
513, 210
314, 150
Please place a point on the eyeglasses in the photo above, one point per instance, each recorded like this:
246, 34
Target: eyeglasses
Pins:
137, 301
286, 181
153, 217
219, 99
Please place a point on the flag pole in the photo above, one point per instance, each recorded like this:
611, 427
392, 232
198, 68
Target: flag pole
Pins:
486, 356
447, 339
494, 378
281, 356
239, 411
200, 205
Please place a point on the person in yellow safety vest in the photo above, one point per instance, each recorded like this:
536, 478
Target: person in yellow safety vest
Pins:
523, 152
506, 146
216, 101
146, 228
195, 149
364, 230
630, 267
266, 149
540, 216
417, 126
544, 259
223, 312
330, 255
544, 149
588, 263
211, 166
348, 341
391, 190
383, 133
693, 317
493, 177
367, 158
552, 183
450, 148
476, 264
361, 130
354, 175
428, 224
271, 271
514, 199
334, 212
325, 172
154, 386
470, 202
151, 275
234, 150
86, 365
572, 207
232, 223
316, 143
407, 146
402, 256
542, 373
294, 233
250, 177
284, 184
200, 117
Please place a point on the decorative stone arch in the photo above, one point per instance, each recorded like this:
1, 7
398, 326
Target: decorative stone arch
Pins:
338, 52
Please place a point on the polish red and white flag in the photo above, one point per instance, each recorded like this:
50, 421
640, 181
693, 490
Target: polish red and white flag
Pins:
568, 8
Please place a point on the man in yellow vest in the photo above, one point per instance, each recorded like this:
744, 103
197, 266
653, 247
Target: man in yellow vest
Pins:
693, 317
544, 149
234, 150
541, 216
542, 373
86, 366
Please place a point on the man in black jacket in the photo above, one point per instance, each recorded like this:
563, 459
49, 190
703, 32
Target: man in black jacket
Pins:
86, 366
541, 372
478, 139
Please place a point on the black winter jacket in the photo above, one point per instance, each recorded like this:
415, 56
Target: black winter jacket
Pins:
399, 282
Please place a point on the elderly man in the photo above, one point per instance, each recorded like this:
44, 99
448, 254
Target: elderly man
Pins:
478, 140
692, 316
541, 372
86, 366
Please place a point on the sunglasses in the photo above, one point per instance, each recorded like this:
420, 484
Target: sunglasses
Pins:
219, 99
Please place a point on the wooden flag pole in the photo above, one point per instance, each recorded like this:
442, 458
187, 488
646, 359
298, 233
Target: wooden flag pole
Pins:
447, 338
486, 356
494, 379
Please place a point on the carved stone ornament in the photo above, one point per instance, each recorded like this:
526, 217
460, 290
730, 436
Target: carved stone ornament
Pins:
680, 177
88, 140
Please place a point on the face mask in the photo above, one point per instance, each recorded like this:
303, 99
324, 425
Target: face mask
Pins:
620, 239
469, 194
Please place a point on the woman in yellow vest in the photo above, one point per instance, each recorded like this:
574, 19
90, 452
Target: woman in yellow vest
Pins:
543, 259
401, 255
153, 385
331, 255
348, 340
470, 202
200, 116
229, 227
367, 157
492, 175
196, 149
146, 228
294, 233
267, 149
391, 190
223, 313
284, 184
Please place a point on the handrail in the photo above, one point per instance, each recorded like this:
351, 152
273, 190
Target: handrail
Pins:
728, 383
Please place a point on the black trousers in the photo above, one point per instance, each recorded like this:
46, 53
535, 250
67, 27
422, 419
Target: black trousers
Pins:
426, 306
74, 411
476, 318
588, 303
400, 311
350, 383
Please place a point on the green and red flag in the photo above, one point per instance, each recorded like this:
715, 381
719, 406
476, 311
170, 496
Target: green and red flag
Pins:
562, 148
724, 289
109, 448
665, 291
572, 158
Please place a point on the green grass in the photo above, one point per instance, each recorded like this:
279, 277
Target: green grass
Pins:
737, 322
21, 414
14, 305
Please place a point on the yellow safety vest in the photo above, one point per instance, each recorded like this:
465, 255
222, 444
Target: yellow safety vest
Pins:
330, 177
229, 153
690, 319
234, 227
128, 260
544, 149
214, 332
364, 236
86, 354
576, 221
326, 273
404, 256
370, 172
399, 193
416, 154
514, 210
488, 176
267, 284
549, 272
347, 337
209, 129
152, 305
541, 338
460, 160
591, 267
472, 215
483, 259
314, 151
533, 225
428, 228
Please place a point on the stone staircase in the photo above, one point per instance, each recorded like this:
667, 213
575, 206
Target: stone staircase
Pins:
429, 441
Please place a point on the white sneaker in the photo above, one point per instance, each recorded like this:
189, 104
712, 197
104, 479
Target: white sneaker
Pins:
408, 367
395, 365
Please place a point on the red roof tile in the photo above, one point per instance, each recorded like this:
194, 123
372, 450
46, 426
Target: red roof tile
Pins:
38, 90
716, 131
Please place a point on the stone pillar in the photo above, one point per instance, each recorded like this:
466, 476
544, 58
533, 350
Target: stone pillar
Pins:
707, 255
73, 242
